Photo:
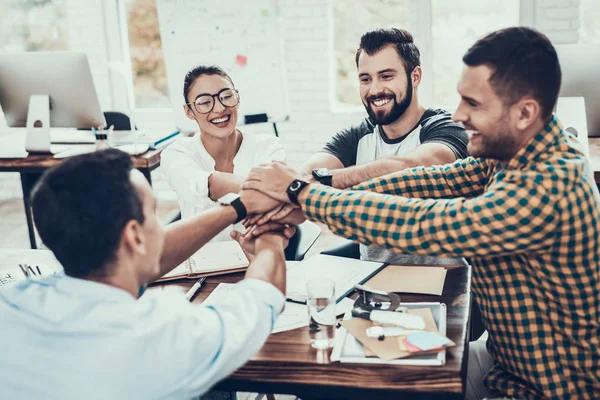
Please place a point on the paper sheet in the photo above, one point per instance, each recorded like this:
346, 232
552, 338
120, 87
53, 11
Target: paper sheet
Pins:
344, 306
293, 316
405, 279
345, 272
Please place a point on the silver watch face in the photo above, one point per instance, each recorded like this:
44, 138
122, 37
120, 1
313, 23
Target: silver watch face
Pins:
228, 198
295, 186
322, 172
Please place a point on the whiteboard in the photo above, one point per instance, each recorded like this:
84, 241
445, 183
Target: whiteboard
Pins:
242, 37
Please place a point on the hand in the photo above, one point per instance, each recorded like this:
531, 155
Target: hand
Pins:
258, 230
279, 214
257, 202
272, 179
277, 238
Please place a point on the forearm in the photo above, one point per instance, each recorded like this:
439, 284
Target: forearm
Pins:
457, 227
463, 178
221, 183
347, 177
269, 265
225, 333
184, 238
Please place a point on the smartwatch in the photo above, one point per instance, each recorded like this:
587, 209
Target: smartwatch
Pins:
294, 190
323, 176
233, 199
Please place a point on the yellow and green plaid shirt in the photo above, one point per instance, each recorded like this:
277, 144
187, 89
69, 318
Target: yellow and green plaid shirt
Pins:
531, 228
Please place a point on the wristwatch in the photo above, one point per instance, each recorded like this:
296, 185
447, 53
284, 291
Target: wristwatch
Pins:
294, 190
323, 176
233, 199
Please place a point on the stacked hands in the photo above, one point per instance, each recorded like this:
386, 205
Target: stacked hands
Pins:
266, 201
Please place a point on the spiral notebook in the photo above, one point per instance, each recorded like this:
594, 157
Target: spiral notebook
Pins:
214, 258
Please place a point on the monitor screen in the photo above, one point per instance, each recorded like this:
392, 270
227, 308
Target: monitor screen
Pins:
64, 76
580, 65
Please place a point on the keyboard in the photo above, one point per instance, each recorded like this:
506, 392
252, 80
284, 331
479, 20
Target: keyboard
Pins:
68, 135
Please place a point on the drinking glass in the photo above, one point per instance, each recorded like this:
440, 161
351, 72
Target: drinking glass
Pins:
320, 299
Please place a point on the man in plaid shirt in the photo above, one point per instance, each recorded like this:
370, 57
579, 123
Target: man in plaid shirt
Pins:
524, 208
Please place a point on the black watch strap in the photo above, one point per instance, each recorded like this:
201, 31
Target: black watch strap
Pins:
240, 208
324, 178
294, 190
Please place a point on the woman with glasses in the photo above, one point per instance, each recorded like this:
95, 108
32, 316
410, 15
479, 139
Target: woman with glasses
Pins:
215, 161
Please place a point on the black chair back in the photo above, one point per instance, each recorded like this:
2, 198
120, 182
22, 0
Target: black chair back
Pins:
118, 120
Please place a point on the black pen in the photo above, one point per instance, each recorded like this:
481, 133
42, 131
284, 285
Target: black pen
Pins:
190, 294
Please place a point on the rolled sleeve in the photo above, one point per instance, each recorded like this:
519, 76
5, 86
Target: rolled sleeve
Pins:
188, 179
211, 341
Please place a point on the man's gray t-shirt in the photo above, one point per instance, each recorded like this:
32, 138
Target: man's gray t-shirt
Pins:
367, 142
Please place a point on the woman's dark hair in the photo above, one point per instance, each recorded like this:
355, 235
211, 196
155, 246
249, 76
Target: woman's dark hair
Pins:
200, 70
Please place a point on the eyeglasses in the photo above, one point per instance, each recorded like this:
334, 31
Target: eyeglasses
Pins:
206, 102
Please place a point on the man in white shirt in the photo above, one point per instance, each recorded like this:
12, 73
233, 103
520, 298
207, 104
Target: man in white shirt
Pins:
85, 334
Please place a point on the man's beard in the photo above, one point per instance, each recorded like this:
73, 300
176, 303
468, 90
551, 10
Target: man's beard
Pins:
500, 146
383, 117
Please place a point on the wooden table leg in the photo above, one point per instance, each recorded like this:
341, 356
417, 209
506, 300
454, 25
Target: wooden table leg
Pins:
28, 181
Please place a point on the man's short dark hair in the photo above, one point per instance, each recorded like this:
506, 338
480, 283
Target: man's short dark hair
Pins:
200, 70
524, 63
373, 42
81, 206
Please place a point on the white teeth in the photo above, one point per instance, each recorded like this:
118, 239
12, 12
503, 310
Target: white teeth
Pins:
220, 120
381, 102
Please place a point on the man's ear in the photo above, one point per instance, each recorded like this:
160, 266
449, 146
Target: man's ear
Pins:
416, 75
526, 111
188, 112
132, 238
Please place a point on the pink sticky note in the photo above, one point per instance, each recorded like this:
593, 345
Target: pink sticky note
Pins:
241, 60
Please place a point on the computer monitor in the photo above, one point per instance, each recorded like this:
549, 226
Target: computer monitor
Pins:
580, 64
63, 76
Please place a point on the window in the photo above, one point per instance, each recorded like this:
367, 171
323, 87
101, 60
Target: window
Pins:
352, 18
30, 25
147, 59
589, 15
443, 31
455, 26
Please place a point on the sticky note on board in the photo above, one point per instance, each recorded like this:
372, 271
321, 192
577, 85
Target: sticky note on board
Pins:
264, 13
241, 60
427, 340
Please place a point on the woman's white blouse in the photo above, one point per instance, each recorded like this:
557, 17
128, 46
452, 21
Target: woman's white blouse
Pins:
187, 165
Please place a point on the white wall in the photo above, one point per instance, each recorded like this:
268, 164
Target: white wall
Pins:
308, 37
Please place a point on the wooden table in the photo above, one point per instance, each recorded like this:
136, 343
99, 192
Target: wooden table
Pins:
32, 167
287, 363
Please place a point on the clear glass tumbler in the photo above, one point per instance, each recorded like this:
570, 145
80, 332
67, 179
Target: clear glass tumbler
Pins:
321, 312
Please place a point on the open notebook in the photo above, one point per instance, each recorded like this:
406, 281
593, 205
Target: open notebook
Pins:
213, 258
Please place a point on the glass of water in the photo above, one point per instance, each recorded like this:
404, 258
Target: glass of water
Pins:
321, 312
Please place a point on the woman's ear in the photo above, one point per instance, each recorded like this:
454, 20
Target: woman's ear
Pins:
188, 112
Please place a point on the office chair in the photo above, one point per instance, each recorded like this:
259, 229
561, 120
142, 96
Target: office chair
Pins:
306, 235
119, 120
